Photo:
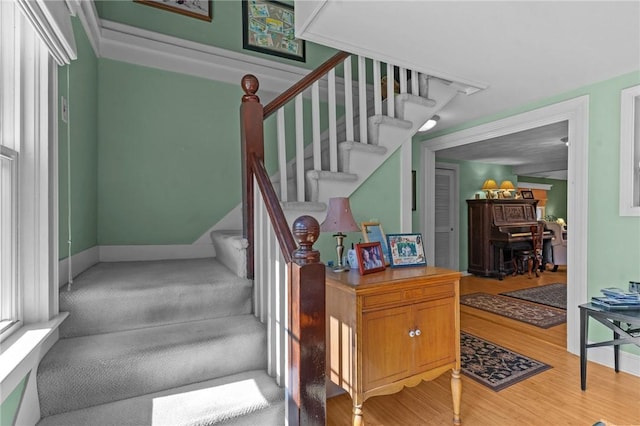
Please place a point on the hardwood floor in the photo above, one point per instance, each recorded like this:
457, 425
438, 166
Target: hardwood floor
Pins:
549, 398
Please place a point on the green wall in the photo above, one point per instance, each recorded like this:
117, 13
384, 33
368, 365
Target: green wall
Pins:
169, 162
224, 31
82, 128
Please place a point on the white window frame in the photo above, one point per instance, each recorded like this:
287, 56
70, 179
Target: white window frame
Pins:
10, 298
630, 151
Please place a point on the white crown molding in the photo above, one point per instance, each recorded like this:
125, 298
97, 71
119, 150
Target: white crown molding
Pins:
88, 15
531, 185
629, 168
147, 48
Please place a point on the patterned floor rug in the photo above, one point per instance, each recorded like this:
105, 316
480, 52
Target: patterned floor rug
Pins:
494, 366
551, 295
534, 314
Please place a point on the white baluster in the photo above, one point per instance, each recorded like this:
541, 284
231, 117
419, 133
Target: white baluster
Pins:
377, 92
362, 98
403, 79
300, 181
315, 122
348, 98
391, 104
415, 84
282, 154
333, 136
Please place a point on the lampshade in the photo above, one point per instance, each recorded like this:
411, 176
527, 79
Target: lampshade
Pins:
339, 217
507, 185
430, 124
489, 185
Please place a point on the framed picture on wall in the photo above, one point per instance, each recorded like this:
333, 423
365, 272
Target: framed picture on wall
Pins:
200, 9
268, 27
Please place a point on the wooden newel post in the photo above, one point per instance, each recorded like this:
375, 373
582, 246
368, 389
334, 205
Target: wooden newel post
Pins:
307, 398
252, 141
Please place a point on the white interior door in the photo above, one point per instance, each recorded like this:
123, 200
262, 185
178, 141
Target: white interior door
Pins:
446, 217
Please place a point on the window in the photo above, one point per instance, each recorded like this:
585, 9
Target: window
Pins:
630, 152
9, 306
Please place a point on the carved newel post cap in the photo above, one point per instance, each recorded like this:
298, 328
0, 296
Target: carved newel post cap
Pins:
250, 86
306, 230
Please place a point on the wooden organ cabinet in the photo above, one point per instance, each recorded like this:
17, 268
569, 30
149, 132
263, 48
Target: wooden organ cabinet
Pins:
392, 329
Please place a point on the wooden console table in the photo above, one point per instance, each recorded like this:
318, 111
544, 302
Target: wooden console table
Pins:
392, 329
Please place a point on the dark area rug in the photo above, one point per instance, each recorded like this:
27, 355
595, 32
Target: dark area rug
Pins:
530, 313
551, 295
494, 366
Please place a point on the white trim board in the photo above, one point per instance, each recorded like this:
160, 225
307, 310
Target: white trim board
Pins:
80, 262
576, 112
531, 185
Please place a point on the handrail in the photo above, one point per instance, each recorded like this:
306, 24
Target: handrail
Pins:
304, 83
285, 238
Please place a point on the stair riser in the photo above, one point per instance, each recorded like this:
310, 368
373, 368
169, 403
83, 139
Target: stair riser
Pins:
92, 370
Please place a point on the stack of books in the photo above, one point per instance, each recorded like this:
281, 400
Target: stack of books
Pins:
616, 298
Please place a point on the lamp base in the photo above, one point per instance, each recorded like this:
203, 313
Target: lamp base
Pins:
340, 268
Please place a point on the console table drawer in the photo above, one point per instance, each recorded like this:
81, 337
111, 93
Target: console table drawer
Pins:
429, 292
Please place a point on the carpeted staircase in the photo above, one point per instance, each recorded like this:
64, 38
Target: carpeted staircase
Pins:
159, 343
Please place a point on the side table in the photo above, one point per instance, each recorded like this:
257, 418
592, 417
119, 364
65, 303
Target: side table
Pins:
612, 319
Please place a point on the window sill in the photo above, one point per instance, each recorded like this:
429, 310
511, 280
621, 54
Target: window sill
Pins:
22, 351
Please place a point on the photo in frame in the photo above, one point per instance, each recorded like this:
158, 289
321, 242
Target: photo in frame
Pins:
373, 232
200, 9
369, 258
406, 250
526, 194
268, 27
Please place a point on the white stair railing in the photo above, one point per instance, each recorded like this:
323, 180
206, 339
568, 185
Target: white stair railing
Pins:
334, 110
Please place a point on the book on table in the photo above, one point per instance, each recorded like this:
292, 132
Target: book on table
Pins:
613, 303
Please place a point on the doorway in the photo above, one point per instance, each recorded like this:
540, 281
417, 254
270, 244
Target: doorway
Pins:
447, 216
575, 111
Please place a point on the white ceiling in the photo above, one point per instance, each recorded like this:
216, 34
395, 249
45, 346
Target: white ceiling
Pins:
518, 51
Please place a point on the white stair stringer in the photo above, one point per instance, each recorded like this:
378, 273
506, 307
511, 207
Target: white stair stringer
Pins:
384, 132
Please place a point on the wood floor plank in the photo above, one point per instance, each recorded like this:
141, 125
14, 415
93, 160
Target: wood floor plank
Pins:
552, 397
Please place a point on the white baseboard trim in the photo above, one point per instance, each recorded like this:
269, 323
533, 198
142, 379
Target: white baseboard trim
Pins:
629, 363
136, 253
80, 262
232, 220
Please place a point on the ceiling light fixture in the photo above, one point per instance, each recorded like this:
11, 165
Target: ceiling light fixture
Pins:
430, 124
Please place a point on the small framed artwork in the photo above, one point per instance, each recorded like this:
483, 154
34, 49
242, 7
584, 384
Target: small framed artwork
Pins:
372, 232
369, 257
200, 9
406, 250
268, 27
526, 194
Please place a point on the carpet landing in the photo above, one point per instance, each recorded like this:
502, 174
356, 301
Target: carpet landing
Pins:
551, 295
530, 313
494, 366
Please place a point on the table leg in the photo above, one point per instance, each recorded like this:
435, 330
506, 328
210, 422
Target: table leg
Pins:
616, 349
584, 331
456, 393
357, 415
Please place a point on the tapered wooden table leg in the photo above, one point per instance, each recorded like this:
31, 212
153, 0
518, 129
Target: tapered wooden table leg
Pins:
456, 393
357, 415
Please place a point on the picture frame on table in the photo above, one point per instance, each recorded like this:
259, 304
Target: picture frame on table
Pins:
200, 9
527, 194
269, 27
369, 258
406, 250
372, 232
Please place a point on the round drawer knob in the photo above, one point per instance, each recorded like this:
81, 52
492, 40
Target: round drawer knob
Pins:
418, 332
412, 333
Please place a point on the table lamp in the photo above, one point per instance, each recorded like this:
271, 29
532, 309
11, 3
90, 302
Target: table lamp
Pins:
506, 187
489, 186
339, 219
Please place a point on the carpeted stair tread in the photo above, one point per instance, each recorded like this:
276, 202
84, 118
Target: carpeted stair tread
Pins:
90, 370
248, 398
115, 296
